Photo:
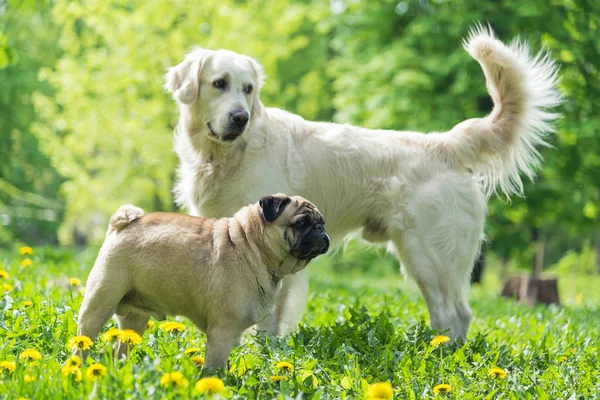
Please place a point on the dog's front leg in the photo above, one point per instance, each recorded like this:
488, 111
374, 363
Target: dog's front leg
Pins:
219, 342
290, 305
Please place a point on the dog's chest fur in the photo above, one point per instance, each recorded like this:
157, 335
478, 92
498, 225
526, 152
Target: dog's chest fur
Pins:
217, 185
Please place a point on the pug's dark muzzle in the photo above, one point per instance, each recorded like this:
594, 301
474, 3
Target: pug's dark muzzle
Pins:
313, 244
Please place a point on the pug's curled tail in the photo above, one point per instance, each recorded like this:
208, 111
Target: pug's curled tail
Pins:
124, 216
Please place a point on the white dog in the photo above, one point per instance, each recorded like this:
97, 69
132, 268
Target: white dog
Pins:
424, 194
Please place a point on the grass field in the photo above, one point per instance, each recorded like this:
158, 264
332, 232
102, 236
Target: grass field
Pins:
363, 325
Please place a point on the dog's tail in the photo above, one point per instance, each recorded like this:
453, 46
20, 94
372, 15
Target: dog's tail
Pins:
124, 216
523, 88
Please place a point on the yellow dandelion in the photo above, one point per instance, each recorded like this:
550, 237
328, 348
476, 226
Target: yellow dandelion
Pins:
26, 263
27, 303
111, 334
74, 282
3, 274
25, 250
442, 388
22, 398
173, 379
7, 287
7, 366
129, 337
150, 323
73, 362
30, 355
172, 327
497, 373
29, 378
440, 339
210, 385
278, 378
198, 360
80, 342
284, 365
382, 390
192, 350
562, 358
95, 372
74, 372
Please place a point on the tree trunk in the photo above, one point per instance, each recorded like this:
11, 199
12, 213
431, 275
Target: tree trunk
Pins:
539, 253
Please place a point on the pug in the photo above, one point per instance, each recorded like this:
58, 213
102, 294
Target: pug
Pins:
222, 274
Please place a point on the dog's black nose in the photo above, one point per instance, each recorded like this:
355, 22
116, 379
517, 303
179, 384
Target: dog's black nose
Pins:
319, 228
240, 118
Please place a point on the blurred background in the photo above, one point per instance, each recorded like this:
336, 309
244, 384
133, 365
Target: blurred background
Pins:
86, 126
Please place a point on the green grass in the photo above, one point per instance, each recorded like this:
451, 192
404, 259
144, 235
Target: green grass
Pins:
363, 325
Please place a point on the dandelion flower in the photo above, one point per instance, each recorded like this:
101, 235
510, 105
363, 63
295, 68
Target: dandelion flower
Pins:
192, 350
284, 365
210, 385
26, 263
30, 355
381, 390
7, 366
3, 274
27, 303
95, 372
173, 379
150, 323
562, 358
73, 362
74, 282
75, 372
112, 333
7, 287
278, 378
29, 378
25, 250
198, 360
129, 337
440, 339
172, 327
497, 373
442, 388
80, 342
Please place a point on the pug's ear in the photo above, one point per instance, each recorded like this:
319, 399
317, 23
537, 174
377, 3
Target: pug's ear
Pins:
183, 80
273, 206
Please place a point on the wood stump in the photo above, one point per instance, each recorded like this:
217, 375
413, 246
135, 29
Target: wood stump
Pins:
532, 290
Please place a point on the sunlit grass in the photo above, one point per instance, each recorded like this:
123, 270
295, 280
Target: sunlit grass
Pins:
364, 326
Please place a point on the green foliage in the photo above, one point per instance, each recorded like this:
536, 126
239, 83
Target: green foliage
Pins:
104, 123
30, 205
358, 330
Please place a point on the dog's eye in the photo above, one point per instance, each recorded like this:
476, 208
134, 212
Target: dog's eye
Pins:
248, 89
220, 83
301, 223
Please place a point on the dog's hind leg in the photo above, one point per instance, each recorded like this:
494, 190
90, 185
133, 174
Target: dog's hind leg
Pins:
134, 321
102, 295
437, 246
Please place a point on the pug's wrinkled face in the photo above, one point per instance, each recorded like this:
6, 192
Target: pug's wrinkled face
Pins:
299, 223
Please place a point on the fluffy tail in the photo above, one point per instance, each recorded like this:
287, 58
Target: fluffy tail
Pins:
502, 145
124, 216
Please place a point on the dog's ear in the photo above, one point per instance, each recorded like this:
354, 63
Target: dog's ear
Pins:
183, 80
259, 76
273, 206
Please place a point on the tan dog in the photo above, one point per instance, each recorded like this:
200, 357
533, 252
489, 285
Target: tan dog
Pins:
223, 274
